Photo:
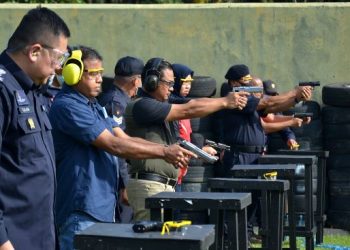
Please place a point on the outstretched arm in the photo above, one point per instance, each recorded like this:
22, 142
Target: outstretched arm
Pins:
204, 106
274, 104
130, 148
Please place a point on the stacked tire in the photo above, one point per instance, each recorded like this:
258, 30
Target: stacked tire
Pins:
336, 123
198, 171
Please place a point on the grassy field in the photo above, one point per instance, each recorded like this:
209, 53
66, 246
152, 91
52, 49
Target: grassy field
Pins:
330, 241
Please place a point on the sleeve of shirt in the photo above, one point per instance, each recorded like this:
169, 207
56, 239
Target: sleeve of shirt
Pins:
3, 234
148, 111
78, 120
287, 134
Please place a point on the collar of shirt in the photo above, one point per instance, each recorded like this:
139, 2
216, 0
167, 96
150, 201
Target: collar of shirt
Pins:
21, 77
76, 94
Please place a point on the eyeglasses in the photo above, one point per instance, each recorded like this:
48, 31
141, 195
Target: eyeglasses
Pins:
59, 56
169, 83
94, 73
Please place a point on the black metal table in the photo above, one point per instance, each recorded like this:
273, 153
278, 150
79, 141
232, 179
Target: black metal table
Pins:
285, 171
309, 163
103, 236
272, 204
222, 207
320, 216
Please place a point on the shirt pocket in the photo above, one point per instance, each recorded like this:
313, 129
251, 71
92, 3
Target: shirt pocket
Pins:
47, 122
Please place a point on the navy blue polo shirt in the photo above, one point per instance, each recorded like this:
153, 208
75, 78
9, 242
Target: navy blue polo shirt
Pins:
27, 170
86, 175
243, 127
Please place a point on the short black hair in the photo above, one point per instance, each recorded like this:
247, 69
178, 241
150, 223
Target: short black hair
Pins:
89, 53
35, 27
150, 65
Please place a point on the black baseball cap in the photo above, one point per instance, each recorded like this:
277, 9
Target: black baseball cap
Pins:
129, 66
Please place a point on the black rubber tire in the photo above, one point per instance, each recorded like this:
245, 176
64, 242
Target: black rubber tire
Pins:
224, 89
341, 203
197, 174
339, 184
338, 219
200, 125
299, 202
337, 147
197, 139
203, 86
300, 186
335, 115
306, 107
194, 187
300, 172
337, 94
336, 131
338, 161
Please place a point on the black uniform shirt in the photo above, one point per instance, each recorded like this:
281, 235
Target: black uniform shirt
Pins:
27, 173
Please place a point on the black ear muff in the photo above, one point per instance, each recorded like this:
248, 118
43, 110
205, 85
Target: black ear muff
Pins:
73, 68
152, 75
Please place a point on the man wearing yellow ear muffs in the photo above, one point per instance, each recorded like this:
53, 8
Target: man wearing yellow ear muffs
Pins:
86, 141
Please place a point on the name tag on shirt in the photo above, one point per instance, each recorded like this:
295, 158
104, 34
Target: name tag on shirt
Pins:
25, 109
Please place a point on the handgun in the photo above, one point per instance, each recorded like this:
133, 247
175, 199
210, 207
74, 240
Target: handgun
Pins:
219, 146
302, 115
249, 89
312, 84
147, 226
202, 154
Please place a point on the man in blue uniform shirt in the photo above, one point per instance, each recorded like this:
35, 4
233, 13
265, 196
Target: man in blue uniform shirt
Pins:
86, 140
243, 130
114, 98
27, 159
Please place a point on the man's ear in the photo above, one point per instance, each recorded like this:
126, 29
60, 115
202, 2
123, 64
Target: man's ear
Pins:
33, 52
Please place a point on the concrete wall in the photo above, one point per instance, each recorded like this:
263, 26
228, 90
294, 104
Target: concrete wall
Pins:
283, 42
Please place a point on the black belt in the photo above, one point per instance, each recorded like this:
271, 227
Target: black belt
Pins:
248, 149
154, 177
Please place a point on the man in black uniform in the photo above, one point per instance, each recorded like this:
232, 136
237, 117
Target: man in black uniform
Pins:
27, 158
242, 129
127, 79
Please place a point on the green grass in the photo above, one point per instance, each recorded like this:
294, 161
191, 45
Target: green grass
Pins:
329, 242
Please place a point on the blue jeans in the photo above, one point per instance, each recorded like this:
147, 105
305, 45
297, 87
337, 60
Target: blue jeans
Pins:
76, 222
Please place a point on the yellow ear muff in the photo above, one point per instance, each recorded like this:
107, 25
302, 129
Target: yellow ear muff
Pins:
73, 68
